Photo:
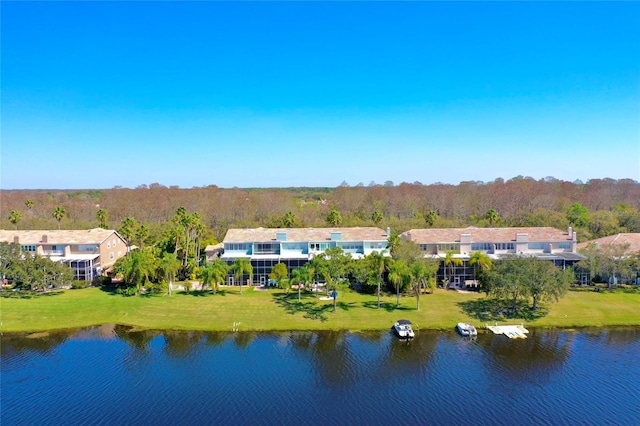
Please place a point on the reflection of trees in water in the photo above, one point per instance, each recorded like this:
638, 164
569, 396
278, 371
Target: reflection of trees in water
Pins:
619, 336
242, 339
182, 344
340, 359
408, 358
138, 340
531, 359
15, 345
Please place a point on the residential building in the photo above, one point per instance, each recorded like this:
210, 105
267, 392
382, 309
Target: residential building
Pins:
547, 243
629, 244
266, 247
88, 252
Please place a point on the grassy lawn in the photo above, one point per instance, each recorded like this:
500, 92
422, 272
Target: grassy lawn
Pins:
274, 310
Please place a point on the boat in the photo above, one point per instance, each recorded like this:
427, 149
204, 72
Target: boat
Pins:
466, 329
403, 329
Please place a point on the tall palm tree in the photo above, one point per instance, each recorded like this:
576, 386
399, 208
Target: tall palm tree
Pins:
397, 271
29, 204
103, 216
378, 264
451, 262
297, 278
169, 266
288, 220
241, 267
220, 270
377, 217
15, 217
479, 261
492, 216
59, 213
430, 217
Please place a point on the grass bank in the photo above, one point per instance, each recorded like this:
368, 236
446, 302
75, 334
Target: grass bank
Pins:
274, 310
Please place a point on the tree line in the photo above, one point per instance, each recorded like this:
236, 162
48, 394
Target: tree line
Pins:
596, 208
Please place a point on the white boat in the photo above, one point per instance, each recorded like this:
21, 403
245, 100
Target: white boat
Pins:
403, 329
466, 329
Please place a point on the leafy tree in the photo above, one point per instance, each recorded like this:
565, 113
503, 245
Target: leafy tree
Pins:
241, 267
507, 280
334, 218
280, 273
578, 215
377, 217
103, 218
394, 244
10, 257
545, 281
59, 213
15, 217
38, 273
142, 233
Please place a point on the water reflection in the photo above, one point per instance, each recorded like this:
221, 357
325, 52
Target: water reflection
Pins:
367, 378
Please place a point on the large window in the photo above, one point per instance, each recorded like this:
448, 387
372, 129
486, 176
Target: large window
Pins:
448, 247
565, 246
88, 247
481, 246
236, 247
537, 246
29, 248
266, 248
505, 246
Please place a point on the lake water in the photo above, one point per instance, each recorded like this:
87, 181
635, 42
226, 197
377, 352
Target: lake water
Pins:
108, 375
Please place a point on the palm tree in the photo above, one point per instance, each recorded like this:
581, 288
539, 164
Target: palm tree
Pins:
220, 270
241, 267
334, 218
15, 217
479, 261
397, 271
297, 277
492, 216
430, 217
377, 217
128, 229
288, 220
59, 213
451, 262
103, 216
169, 267
29, 204
378, 264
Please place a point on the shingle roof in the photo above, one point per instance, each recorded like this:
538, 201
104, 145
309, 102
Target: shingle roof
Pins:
304, 234
633, 239
452, 235
34, 237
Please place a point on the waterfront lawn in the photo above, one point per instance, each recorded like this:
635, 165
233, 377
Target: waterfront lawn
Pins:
275, 310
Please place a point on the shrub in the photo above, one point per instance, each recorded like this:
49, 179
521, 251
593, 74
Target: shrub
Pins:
76, 284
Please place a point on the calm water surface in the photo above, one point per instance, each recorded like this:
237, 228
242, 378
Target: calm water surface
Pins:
108, 375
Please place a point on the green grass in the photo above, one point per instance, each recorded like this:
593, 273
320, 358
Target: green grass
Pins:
273, 310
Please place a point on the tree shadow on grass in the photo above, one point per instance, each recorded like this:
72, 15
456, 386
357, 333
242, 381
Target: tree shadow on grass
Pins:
487, 310
28, 294
310, 308
387, 306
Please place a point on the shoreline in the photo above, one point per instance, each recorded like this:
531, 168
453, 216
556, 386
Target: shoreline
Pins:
277, 311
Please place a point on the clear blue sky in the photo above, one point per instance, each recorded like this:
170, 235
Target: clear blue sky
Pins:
101, 94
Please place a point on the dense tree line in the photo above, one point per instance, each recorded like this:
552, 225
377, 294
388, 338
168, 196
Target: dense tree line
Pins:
31, 272
596, 208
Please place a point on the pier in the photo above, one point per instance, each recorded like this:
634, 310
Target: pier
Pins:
511, 331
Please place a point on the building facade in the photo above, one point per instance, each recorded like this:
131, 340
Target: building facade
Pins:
547, 243
88, 252
266, 247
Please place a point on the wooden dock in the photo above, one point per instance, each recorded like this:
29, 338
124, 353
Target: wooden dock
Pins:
511, 331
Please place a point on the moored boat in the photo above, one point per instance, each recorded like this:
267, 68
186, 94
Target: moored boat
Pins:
466, 329
404, 329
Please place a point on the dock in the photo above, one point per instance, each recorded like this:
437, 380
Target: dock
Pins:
511, 331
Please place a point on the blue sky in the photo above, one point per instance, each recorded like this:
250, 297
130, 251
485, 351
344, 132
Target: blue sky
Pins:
104, 94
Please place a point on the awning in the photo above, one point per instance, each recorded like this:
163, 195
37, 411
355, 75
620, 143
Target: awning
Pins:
74, 258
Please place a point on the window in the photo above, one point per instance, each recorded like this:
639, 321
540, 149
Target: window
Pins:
504, 246
111, 255
424, 247
236, 247
29, 248
266, 248
481, 246
108, 244
565, 246
537, 246
87, 247
448, 247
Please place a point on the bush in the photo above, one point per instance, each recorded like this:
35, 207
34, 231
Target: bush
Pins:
102, 280
76, 284
127, 291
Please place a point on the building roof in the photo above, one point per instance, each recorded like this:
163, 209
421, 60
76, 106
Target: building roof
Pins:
304, 234
452, 235
65, 236
213, 247
632, 239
